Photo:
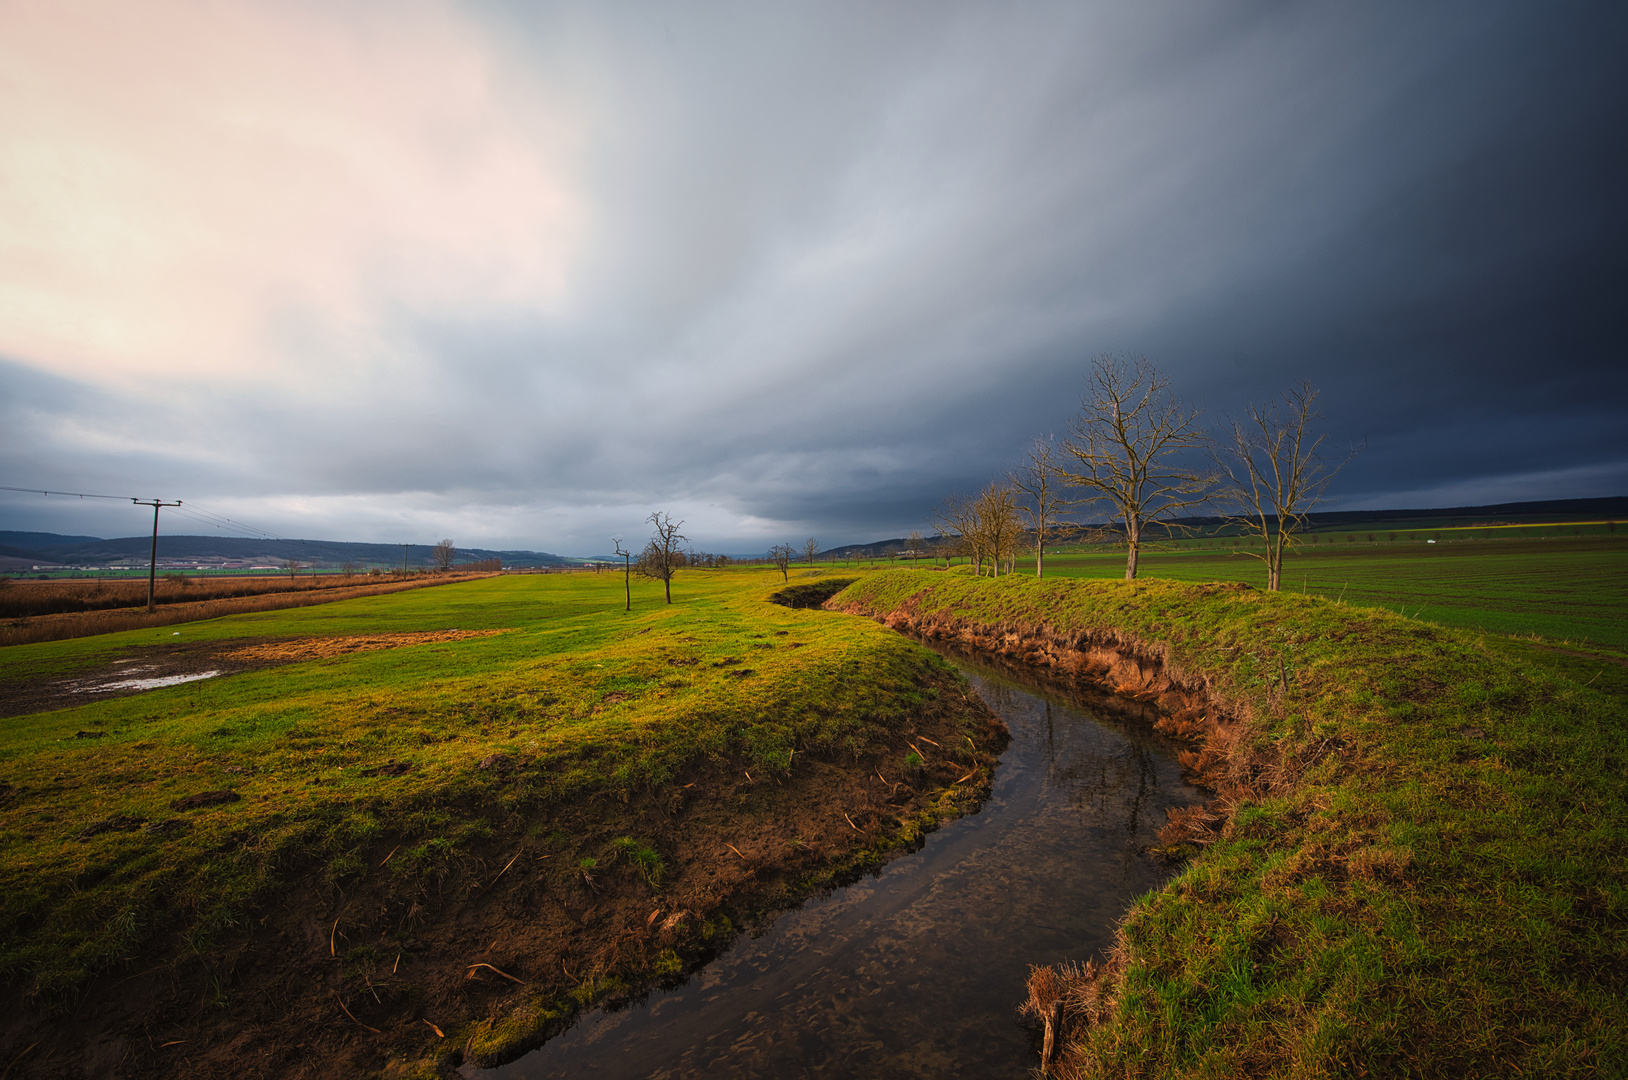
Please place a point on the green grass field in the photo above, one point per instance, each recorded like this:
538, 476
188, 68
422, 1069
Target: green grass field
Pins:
97, 864
1562, 590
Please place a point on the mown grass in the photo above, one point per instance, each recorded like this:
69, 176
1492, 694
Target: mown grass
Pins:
1562, 590
97, 865
1430, 877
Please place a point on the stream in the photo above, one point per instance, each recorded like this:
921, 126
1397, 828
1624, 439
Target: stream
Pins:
919, 970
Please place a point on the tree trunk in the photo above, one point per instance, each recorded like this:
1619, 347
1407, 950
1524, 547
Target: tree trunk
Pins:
667, 582
1133, 540
1040, 558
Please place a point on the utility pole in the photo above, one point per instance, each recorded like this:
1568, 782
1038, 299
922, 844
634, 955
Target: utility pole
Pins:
627, 574
152, 562
404, 548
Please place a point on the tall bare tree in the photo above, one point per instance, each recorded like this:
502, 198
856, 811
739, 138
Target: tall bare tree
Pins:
663, 555
811, 548
1272, 473
781, 555
1128, 444
1039, 482
443, 554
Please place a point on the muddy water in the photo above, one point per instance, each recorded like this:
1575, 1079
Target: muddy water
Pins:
918, 971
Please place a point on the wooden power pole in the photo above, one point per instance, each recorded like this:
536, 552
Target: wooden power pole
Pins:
152, 561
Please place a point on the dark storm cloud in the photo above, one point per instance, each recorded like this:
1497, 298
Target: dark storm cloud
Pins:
841, 261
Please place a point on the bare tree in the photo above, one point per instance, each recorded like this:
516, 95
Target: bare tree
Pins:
781, 555
1272, 474
811, 548
957, 520
1039, 482
996, 527
913, 546
443, 554
1128, 442
662, 555
293, 566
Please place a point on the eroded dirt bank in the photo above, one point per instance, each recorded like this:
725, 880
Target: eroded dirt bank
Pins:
441, 954
1123, 674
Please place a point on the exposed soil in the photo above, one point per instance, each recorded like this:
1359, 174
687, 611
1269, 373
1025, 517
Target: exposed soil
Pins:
146, 667
811, 595
1132, 677
411, 973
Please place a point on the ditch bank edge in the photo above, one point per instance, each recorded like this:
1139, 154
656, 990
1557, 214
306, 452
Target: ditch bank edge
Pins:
1391, 875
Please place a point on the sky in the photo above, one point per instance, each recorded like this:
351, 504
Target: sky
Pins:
522, 274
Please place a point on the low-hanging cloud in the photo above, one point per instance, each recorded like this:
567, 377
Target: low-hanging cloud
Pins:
522, 274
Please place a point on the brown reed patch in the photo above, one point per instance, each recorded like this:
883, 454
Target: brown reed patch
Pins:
58, 627
316, 648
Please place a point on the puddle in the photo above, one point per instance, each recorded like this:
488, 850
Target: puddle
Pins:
918, 971
143, 684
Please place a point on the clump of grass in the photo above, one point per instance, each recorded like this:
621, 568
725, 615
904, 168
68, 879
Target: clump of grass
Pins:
644, 858
1421, 864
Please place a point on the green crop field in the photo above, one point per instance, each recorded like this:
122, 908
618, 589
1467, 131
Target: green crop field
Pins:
1562, 590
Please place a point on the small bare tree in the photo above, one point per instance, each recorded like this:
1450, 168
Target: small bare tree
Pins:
443, 554
811, 548
293, 566
1039, 482
914, 548
1272, 474
957, 521
781, 555
996, 525
662, 555
1128, 442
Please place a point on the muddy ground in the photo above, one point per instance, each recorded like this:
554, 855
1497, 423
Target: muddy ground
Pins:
146, 667
415, 974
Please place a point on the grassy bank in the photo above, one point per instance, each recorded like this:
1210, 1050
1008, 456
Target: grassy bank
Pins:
1418, 863
576, 764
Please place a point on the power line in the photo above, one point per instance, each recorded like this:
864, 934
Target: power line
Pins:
69, 494
192, 511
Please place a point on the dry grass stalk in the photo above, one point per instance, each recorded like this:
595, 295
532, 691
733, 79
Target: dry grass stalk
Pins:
489, 967
439, 1034
352, 1015
505, 869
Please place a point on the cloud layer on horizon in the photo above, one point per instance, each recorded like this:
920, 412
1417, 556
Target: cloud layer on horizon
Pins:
519, 275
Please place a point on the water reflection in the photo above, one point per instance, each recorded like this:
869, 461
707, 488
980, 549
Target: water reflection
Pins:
917, 972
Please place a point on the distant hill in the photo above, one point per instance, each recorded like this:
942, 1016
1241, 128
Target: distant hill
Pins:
1519, 513
56, 549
